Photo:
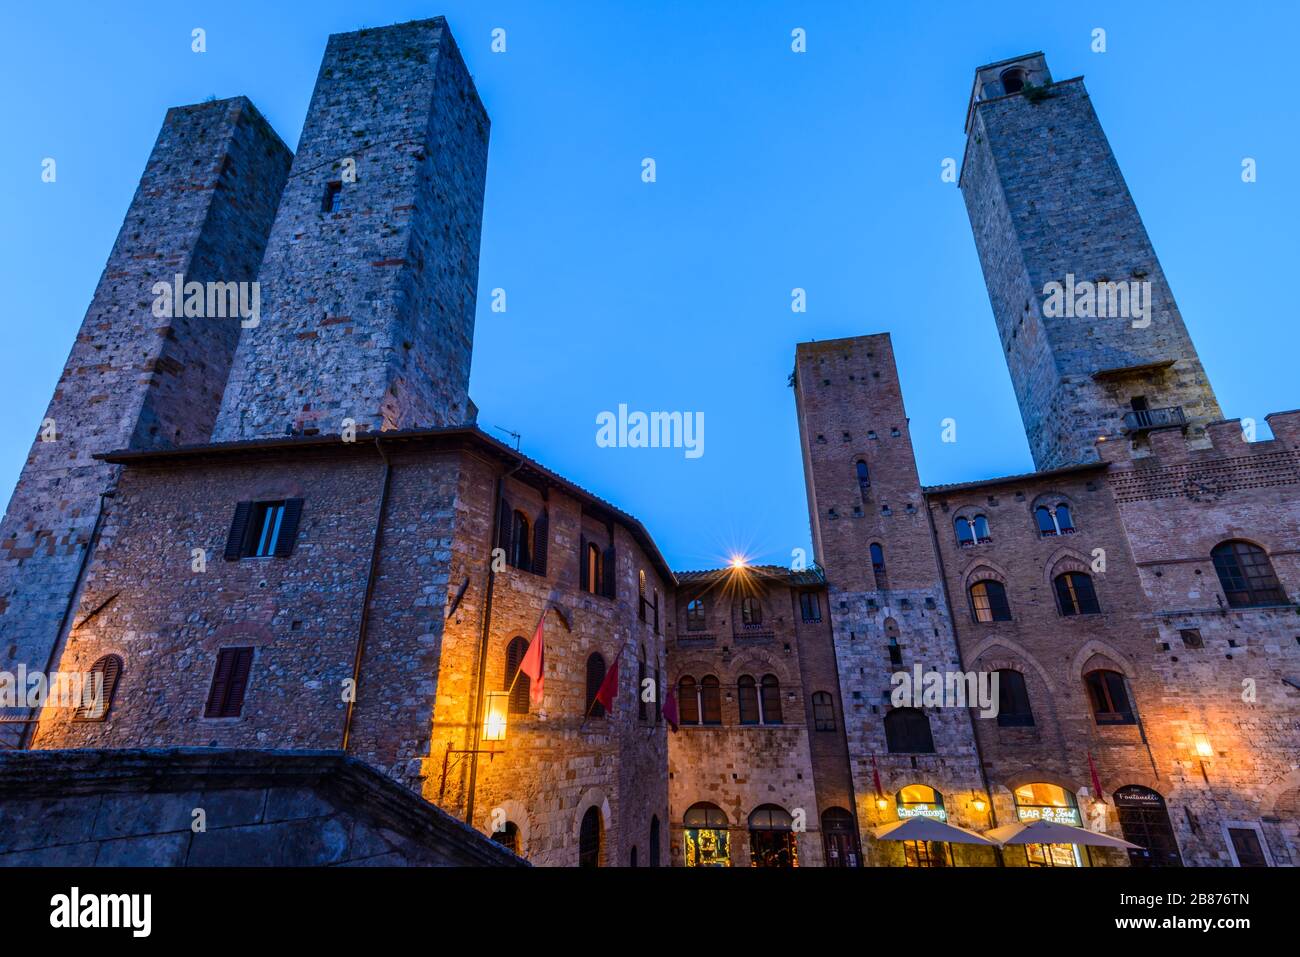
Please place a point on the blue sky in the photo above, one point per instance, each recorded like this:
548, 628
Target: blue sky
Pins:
775, 170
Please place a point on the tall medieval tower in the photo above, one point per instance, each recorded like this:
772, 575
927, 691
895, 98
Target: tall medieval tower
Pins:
872, 536
371, 272
1048, 205
203, 210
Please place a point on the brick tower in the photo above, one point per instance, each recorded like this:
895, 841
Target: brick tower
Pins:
203, 209
1048, 204
371, 271
872, 536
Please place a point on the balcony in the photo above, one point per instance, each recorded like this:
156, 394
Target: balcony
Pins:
1141, 420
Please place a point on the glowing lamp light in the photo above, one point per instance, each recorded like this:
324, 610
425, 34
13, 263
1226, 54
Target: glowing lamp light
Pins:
1203, 748
979, 805
494, 716
882, 803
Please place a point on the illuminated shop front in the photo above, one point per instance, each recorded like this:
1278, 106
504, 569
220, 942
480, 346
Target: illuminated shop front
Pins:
1048, 802
771, 838
705, 836
920, 800
1144, 819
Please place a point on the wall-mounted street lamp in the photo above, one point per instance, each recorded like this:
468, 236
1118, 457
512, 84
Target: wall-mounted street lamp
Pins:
979, 804
496, 710
1203, 750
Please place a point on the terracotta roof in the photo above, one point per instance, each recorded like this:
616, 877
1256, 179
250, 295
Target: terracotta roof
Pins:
1006, 479
813, 575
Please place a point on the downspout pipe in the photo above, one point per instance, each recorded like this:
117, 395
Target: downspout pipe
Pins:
371, 575
485, 637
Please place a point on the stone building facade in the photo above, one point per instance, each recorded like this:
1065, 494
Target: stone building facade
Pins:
289, 536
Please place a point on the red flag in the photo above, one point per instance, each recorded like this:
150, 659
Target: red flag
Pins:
608, 687
669, 710
875, 774
531, 666
1096, 782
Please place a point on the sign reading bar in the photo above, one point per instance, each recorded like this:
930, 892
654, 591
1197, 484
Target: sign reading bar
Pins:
1047, 812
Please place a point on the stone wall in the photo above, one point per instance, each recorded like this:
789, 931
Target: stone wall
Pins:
208, 807
203, 209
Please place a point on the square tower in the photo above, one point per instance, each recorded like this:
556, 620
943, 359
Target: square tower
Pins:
136, 379
1093, 338
371, 272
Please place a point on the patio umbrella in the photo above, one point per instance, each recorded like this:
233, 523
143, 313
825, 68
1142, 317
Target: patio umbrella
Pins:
1051, 832
928, 829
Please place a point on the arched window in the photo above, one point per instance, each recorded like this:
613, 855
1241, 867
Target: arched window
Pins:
593, 569
1054, 521
508, 836
97, 695
654, 840
965, 533
710, 700
747, 697
982, 534
823, 711
878, 565
771, 837
1046, 524
705, 836
1064, 520
1108, 696
864, 478
1013, 700
771, 700
595, 676
907, 731
515, 652
688, 700
1049, 802
1246, 575
1075, 594
751, 612
521, 552
695, 614
641, 703
590, 839
988, 601
1013, 80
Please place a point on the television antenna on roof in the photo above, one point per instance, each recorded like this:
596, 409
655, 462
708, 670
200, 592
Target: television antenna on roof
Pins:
514, 435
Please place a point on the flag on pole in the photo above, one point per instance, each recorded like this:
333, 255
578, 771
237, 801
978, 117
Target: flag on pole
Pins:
608, 687
875, 774
532, 665
669, 710
1096, 781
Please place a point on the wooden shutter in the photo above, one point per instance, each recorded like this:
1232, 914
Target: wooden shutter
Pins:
583, 583
229, 682
503, 527
110, 666
238, 532
540, 531
595, 676
608, 574
519, 693
288, 527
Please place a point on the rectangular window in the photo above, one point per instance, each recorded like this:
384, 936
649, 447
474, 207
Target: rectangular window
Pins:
1191, 638
1246, 845
332, 189
229, 681
264, 529
810, 606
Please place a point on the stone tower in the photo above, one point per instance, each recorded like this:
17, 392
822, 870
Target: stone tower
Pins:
203, 210
872, 535
371, 271
1092, 335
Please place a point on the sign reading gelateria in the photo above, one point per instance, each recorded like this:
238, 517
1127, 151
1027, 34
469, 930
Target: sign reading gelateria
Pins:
1057, 815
